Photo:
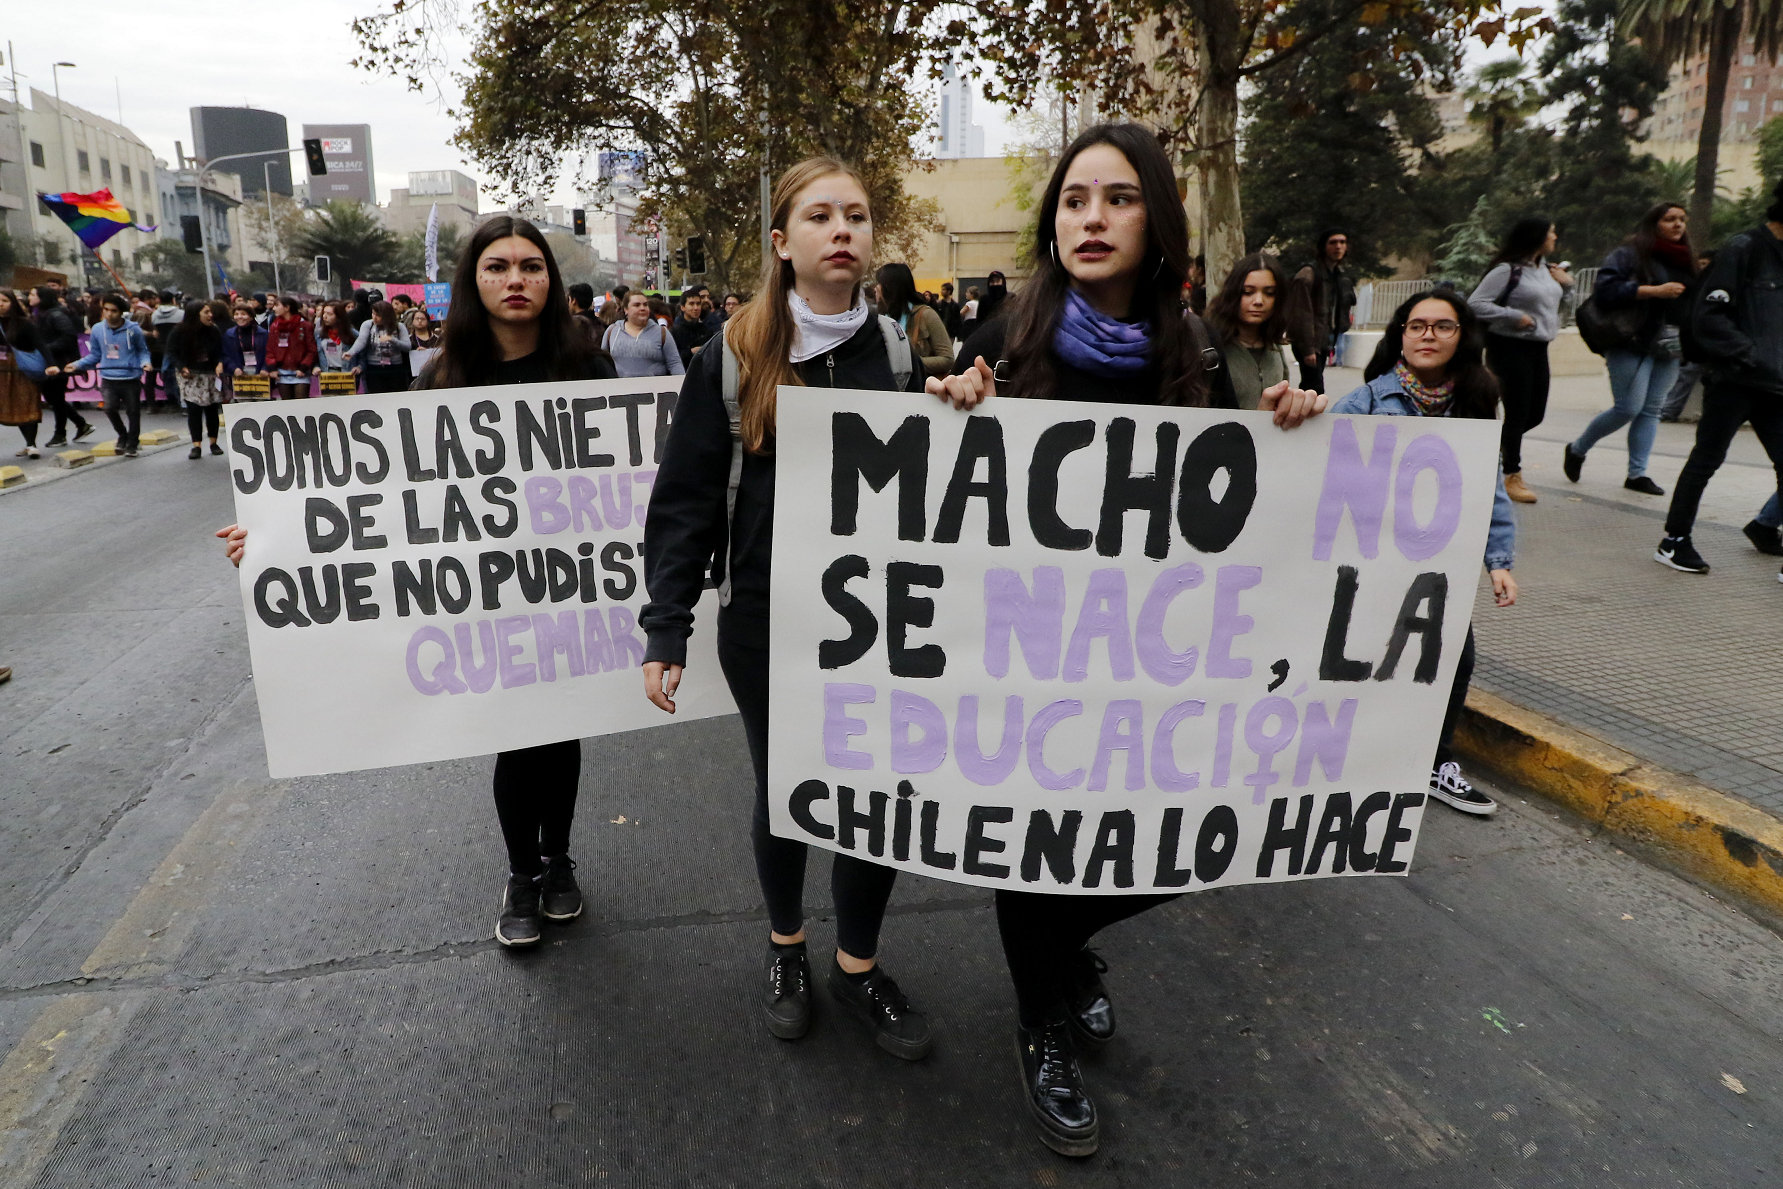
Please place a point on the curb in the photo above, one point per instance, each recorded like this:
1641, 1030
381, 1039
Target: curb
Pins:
1717, 838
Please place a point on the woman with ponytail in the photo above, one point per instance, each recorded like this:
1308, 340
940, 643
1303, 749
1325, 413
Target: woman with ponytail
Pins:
808, 325
1102, 320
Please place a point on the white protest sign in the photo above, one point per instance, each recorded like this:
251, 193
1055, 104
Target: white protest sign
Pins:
449, 573
1099, 649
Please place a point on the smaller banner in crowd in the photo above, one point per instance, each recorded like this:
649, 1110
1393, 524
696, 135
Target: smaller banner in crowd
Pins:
449, 573
1103, 649
435, 295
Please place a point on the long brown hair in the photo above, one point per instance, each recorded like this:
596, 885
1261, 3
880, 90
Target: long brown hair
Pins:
1646, 234
760, 334
469, 355
1288, 316
1035, 311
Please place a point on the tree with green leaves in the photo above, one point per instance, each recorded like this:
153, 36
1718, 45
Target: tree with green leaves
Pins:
709, 92
356, 244
168, 264
1500, 98
1467, 250
1675, 29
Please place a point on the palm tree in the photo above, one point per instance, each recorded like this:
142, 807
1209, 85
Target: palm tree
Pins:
1674, 29
1500, 97
355, 242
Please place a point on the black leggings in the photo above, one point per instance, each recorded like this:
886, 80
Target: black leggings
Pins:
203, 417
860, 889
535, 798
29, 429
1457, 699
1042, 934
55, 394
1522, 370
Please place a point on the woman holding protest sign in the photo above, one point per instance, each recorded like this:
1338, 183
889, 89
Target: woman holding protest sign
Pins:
1431, 363
1101, 320
714, 497
509, 323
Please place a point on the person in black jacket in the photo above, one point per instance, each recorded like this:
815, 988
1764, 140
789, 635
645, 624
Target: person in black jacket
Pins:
1101, 320
510, 323
59, 342
808, 325
1736, 327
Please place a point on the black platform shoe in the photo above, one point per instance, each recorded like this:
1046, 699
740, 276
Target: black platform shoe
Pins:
1052, 1086
1092, 1013
877, 1002
788, 996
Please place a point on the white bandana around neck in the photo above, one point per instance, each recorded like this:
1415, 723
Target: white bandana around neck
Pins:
814, 333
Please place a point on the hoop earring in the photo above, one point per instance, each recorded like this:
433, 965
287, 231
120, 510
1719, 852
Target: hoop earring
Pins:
1054, 245
1158, 271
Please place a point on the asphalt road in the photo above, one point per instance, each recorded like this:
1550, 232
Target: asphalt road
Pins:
210, 977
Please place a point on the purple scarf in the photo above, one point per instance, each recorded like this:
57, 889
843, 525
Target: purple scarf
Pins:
1091, 341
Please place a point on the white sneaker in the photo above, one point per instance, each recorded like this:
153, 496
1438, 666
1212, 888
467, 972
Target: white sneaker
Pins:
1448, 786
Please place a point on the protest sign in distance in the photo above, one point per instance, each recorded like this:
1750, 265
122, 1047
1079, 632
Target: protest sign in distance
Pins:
1107, 649
449, 573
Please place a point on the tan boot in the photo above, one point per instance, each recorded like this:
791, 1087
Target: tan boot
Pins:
1517, 489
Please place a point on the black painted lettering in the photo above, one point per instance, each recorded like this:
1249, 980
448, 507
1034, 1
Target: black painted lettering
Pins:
863, 629
1277, 836
361, 423
857, 453
1333, 831
803, 797
1431, 588
904, 611
1361, 858
1207, 524
1114, 844
1396, 833
979, 843
1123, 491
317, 512
239, 433
1055, 442
411, 449
1333, 664
1055, 846
981, 439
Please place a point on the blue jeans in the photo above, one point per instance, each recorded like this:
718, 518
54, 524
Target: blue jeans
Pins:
1639, 385
1771, 515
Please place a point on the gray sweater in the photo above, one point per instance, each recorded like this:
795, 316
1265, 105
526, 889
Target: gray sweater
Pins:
1537, 294
651, 353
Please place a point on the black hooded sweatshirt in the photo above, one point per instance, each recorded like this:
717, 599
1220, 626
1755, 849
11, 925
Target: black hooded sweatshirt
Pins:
685, 531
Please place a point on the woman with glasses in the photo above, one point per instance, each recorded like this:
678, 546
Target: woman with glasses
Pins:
1430, 364
1651, 273
1518, 302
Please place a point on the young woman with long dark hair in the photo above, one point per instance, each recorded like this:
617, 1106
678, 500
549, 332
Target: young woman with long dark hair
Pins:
1253, 316
509, 323
1431, 363
809, 324
196, 348
1518, 301
898, 300
382, 349
19, 403
1652, 271
58, 339
1101, 320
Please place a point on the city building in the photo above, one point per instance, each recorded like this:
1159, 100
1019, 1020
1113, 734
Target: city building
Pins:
347, 150
1754, 95
955, 133
71, 149
610, 211
981, 223
226, 131
454, 193
16, 199
179, 193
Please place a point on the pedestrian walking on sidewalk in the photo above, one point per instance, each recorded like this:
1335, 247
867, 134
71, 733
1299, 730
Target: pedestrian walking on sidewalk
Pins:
1252, 317
197, 350
509, 323
640, 345
59, 343
1330, 293
808, 325
1736, 329
290, 349
1101, 320
20, 402
1518, 302
119, 349
1430, 364
382, 349
1652, 272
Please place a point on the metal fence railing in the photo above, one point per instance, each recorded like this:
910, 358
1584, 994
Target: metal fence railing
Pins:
1376, 300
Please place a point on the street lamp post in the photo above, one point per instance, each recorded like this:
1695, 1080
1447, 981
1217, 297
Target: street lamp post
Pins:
272, 228
204, 167
61, 128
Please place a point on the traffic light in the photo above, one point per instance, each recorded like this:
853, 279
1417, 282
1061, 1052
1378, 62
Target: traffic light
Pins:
580, 221
192, 232
312, 151
680, 259
324, 270
696, 255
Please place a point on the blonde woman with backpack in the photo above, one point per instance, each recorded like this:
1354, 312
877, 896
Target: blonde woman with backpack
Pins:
808, 325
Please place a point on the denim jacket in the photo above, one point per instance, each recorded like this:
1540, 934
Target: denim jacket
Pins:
1384, 397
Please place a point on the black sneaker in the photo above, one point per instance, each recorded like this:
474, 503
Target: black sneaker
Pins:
788, 997
85, 430
1448, 786
54, 442
520, 924
1572, 464
1764, 538
560, 898
897, 1027
215, 449
1680, 554
1052, 1086
1092, 1013
1644, 485
197, 451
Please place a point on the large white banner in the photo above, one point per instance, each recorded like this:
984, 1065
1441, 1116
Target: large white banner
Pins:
1111, 649
449, 573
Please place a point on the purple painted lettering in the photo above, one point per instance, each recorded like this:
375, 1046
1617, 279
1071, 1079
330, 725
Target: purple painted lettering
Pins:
1267, 743
597, 646
838, 727
973, 764
1103, 615
618, 514
1123, 729
511, 673
548, 515
582, 495
1038, 620
480, 679
1419, 541
1228, 583
1160, 662
1044, 722
628, 650
1359, 486
1325, 741
1165, 774
444, 680
924, 754
555, 634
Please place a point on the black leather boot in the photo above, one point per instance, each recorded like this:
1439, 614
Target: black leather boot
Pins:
1052, 1086
1092, 1012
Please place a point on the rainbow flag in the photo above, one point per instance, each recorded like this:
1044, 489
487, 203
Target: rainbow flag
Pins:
94, 218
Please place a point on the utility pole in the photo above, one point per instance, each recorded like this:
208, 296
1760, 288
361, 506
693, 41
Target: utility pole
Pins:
272, 229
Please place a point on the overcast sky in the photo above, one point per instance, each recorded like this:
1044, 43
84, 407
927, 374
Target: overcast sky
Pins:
168, 57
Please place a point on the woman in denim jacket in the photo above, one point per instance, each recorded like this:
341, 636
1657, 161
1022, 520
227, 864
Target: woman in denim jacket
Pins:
1430, 364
